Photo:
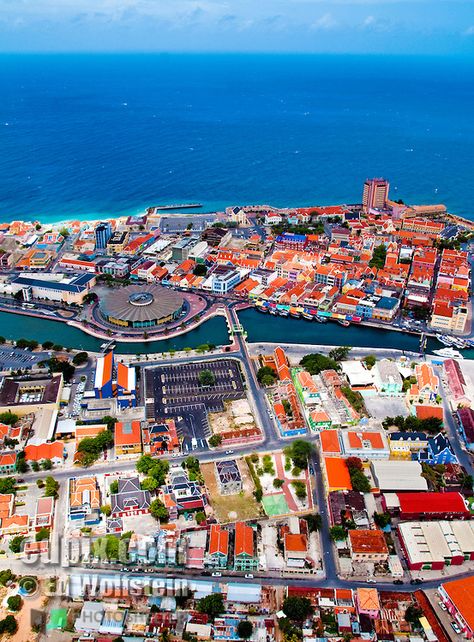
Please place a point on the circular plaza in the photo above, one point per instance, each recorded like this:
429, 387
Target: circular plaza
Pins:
140, 306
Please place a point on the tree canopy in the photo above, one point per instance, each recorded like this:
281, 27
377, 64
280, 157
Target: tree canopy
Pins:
297, 608
212, 605
316, 363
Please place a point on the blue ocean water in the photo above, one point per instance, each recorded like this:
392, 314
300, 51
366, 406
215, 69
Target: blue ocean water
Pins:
86, 135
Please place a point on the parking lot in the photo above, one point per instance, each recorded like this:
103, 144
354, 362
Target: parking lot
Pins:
16, 359
177, 392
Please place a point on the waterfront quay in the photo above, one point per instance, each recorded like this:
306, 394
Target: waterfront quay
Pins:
379, 265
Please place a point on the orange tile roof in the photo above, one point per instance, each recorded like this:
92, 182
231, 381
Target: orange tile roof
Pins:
356, 439
219, 540
81, 485
368, 541
330, 441
44, 451
15, 520
424, 411
368, 599
7, 459
461, 594
127, 433
337, 473
243, 539
296, 543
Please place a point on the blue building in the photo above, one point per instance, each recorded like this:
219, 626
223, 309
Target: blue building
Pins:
104, 370
438, 451
103, 232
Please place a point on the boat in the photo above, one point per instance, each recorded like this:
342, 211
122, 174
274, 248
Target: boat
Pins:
448, 353
283, 313
344, 322
308, 316
273, 311
321, 319
262, 308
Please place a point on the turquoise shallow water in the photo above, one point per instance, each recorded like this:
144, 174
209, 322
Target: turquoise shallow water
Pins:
85, 135
258, 326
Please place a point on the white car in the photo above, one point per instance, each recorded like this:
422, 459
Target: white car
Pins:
217, 575
249, 576
442, 606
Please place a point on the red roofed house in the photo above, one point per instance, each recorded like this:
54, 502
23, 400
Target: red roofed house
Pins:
245, 557
8, 463
296, 549
128, 439
218, 552
53, 451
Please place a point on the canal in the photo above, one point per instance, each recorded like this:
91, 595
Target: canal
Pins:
260, 327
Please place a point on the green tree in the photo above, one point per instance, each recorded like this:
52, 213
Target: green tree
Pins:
51, 487
382, 519
413, 614
8, 625
159, 471
113, 487
149, 483
278, 483
42, 534
200, 517
266, 376
200, 269
158, 510
297, 609
300, 489
314, 522
207, 378
340, 353
80, 358
316, 362
145, 464
46, 464
106, 510
15, 543
360, 482
6, 576
215, 440
245, 629
64, 232
299, 452
370, 361
378, 257
337, 533
8, 418
212, 605
47, 345
7, 485
21, 465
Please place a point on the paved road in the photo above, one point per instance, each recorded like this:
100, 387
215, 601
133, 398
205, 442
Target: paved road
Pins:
271, 440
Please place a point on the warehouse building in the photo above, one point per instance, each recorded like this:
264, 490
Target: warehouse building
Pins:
398, 475
434, 545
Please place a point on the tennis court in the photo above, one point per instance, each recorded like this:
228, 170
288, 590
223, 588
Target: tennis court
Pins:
275, 505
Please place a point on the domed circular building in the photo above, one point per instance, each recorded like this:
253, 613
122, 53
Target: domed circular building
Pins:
141, 306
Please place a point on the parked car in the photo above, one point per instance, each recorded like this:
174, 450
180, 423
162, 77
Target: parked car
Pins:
455, 627
442, 606
217, 575
249, 576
